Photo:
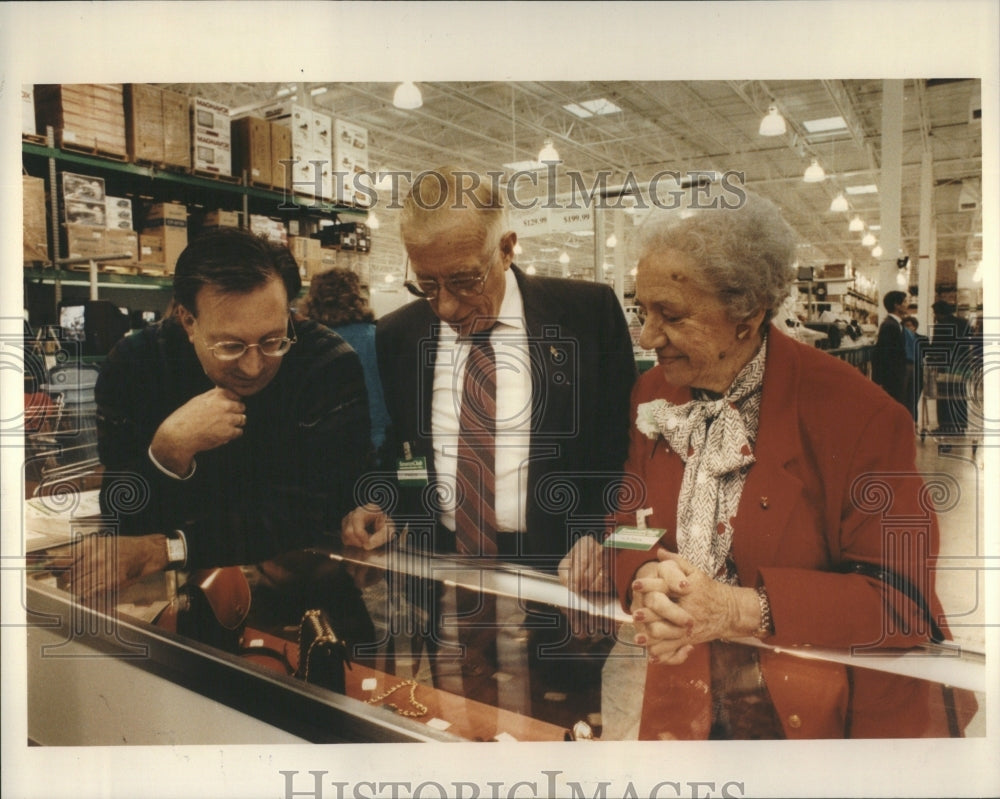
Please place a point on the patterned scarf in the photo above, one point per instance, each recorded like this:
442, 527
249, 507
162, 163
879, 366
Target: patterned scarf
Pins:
714, 436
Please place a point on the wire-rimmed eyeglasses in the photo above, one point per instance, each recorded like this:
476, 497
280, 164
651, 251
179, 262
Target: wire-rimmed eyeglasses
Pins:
273, 347
461, 286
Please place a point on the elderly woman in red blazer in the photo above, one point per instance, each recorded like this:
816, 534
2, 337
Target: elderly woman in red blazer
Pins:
780, 489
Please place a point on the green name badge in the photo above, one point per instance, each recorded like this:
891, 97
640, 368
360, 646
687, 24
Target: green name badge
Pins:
412, 472
642, 538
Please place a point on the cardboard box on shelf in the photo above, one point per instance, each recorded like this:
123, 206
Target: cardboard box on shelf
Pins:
28, 109
251, 148
118, 213
168, 222
271, 229
87, 116
144, 122
220, 218
281, 154
36, 230
77, 212
122, 241
176, 129
82, 187
211, 155
85, 241
210, 119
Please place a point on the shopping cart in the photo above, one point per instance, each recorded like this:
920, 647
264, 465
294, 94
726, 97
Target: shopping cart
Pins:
951, 392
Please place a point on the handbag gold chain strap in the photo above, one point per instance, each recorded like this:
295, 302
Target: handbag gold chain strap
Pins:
322, 637
421, 709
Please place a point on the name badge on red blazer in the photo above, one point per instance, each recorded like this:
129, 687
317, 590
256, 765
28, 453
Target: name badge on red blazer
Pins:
641, 538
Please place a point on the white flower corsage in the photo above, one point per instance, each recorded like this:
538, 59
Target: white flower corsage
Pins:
645, 418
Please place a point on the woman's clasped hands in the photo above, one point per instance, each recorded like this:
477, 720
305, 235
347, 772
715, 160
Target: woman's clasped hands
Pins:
676, 606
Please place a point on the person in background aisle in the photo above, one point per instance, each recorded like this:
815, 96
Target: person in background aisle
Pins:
519, 460
916, 345
770, 504
953, 354
889, 355
335, 298
231, 431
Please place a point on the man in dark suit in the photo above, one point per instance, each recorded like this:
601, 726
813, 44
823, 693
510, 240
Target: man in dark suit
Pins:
564, 372
889, 356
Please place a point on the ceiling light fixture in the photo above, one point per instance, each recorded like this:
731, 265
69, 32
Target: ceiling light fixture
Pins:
530, 270
612, 241
839, 203
877, 252
548, 153
869, 240
407, 96
564, 257
773, 124
318, 91
518, 249
856, 225
372, 221
814, 173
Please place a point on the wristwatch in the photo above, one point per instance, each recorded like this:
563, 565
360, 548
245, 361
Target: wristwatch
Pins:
176, 550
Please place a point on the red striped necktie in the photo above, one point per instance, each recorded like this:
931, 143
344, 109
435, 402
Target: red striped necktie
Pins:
475, 478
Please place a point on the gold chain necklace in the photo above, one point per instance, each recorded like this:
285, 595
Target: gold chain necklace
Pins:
421, 709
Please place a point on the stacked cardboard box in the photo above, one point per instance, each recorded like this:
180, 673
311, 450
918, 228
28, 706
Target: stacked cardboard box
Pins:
28, 109
164, 235
211, 139
308, 254
271, 229
350, 158
220, 218
118, 213
36, 231
310, 133
157, 125
89, 116
85, 241
251, 140
83, 200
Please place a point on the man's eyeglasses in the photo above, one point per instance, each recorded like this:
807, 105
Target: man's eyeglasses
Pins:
273, 347
462, 286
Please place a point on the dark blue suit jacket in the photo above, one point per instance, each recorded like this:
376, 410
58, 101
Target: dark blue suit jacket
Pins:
582, 372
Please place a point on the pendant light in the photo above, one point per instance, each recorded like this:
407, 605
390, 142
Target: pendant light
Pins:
773, 124
564, 257
814, 173
877, 252
839, 203
372, 221
518, 249
407, 96
611, 242
869, 240
548, 152
856, 225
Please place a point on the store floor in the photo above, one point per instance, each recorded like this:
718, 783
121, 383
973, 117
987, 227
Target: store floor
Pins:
956, 473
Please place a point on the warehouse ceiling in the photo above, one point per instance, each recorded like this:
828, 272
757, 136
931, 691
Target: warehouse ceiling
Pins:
687, 125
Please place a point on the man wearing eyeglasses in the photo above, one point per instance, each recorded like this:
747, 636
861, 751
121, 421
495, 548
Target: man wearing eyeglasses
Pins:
564, 369
230, 432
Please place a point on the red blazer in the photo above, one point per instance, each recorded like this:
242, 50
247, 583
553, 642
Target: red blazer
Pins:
835, 480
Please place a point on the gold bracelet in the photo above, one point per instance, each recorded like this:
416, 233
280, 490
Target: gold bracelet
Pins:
766, 627
421, 709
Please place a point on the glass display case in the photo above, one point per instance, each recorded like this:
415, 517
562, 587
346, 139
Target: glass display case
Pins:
387, 645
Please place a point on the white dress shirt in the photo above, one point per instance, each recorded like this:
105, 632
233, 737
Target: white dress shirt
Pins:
513, 439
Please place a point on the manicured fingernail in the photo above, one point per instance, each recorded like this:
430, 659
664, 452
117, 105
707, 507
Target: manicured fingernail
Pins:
640, 640
639, 615
637, 585
684, 584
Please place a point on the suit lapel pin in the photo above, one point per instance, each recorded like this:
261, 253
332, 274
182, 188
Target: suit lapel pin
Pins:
763, 503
